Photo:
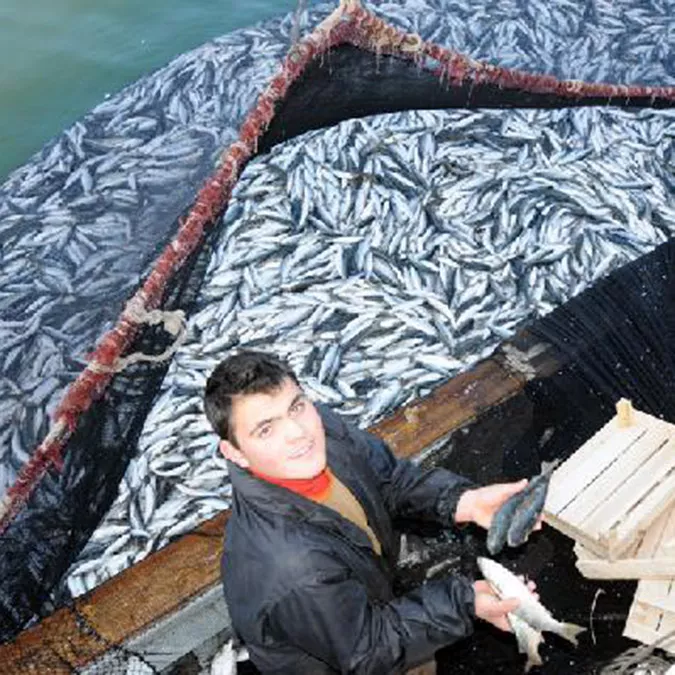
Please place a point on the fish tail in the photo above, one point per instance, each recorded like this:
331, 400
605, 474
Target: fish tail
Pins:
548, 467
570, 631
533, 660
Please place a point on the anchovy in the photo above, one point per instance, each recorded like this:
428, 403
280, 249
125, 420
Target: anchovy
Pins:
530, 610
530, 506
515, 519
438, 233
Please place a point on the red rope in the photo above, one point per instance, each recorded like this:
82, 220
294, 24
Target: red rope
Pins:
349, 24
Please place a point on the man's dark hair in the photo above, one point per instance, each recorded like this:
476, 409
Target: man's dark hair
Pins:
247, 372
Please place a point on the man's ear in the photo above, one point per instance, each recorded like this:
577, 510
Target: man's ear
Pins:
230, 452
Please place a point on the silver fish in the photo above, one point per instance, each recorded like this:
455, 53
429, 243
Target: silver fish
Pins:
528, 639
530, 610
439, 232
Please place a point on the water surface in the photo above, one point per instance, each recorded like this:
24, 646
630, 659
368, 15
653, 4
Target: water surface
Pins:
61, 57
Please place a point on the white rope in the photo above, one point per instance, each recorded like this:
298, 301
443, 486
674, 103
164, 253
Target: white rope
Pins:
173, 322
295, 29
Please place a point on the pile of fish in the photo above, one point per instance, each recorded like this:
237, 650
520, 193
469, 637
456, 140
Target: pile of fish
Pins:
81, 224
530, 618
382, 257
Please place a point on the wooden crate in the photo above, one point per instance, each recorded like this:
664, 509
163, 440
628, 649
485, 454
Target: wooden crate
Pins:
609, 492
652, 614
652, 558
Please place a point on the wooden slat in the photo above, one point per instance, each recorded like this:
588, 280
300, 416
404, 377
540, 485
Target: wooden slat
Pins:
650, 559
596, 567
596, 492
667, 543
653, 504
597, 444
658, 593
587, 463
632, 490
184, 569
647, 624
656, 537
651, 616
460, 401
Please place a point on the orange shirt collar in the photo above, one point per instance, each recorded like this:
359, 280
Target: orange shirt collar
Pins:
312, 488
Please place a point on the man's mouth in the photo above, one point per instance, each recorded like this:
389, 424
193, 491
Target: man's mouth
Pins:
305, 450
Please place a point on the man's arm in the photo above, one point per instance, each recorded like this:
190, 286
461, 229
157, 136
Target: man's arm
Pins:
333, 619
409, 491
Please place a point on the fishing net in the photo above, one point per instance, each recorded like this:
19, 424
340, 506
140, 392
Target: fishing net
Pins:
615, 342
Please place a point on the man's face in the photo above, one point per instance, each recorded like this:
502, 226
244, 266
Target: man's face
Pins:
279, 434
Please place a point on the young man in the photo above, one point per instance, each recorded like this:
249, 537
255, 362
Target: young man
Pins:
311, 549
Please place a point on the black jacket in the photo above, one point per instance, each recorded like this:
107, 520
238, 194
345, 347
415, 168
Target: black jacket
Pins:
305, 590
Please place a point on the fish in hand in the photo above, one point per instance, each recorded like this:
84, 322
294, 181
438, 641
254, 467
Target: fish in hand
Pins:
531, 611
528, 639
518, 516
529, 508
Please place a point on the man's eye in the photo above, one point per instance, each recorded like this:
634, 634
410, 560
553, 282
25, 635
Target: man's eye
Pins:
298, 406
264, 431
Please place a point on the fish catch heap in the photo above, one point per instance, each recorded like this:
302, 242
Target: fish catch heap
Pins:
350, 23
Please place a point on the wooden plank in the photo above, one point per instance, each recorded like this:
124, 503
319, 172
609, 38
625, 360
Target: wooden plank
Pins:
652, 505
596, 567
667, 543
656, 536
648, 624
652, 614
574, 533
168, 640
657, 593
460, 401
632, 490
649, 559
599, 443
587, 463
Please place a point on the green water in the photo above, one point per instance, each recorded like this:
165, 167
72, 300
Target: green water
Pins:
59, 58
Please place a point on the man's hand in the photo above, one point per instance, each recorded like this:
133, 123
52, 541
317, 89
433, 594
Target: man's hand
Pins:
480, 505
489, 607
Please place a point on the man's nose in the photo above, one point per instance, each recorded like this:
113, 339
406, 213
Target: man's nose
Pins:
294, 430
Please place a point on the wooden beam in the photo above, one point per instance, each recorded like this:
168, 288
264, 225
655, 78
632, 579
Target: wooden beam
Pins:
124, 605
652, 557
467, 396
460, 401
169, 579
